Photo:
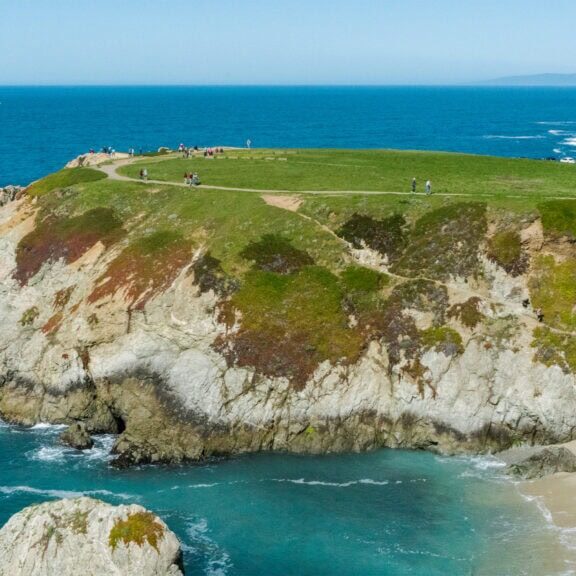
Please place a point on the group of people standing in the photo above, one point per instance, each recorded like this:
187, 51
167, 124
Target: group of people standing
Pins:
191, 179
428, 186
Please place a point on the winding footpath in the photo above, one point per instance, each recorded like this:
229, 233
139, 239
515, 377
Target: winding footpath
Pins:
291, 202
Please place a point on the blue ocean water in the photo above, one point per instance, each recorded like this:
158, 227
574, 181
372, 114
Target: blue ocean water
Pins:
385, 513
42, 128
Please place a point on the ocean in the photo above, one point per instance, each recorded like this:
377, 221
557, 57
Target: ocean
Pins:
382, 513
42, 128
385, 513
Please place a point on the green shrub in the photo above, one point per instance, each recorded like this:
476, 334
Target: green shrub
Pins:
553, 289
385, 236
138, 528
443, 339
444, 243
555, 349
64, 179
558, 217
505, 248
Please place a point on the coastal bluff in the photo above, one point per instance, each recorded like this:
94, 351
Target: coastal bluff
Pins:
89, 537
273, 308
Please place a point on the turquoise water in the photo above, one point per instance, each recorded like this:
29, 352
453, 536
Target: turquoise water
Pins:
384, 513
42, 128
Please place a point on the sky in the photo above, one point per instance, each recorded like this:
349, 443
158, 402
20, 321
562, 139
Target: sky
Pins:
282, 41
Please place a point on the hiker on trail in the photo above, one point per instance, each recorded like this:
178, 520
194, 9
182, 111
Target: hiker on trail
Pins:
195, 180
186, 178
248, 144
413, 185
145, 174
428, 188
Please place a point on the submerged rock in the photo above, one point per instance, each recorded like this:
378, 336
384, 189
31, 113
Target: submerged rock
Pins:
89, 537
549, 460
76, 436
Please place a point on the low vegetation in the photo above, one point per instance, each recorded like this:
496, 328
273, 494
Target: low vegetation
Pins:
137, 528
290, 324
553, 290
505, 249
64, 237
64, 179
147, 267
558, 218
467, 313
444, 243
386, 236
377, 170
289, 290
274, 253
553, 349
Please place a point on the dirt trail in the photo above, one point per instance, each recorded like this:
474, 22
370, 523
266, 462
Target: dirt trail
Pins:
110, 169
291, 201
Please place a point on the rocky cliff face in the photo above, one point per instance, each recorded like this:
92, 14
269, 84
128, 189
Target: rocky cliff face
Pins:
85, 536
168, 352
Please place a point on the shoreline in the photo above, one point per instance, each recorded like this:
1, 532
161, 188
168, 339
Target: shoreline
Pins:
555, 498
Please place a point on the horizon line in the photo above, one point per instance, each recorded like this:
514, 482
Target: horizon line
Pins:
477, 84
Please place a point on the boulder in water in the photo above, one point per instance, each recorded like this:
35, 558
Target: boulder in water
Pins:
76, 435
86, 536
549, 460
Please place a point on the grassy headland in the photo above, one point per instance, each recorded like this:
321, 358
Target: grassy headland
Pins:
291, 276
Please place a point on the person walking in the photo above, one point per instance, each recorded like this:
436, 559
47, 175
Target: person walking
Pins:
145, 174
413, 185
428, 188
248, 144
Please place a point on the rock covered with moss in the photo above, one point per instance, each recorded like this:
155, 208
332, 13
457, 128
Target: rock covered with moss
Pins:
89, 537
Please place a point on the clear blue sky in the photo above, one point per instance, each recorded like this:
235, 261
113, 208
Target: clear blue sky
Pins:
282, 41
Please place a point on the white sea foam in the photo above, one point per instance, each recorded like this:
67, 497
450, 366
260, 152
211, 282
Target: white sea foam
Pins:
502, 137
558, 123
348, 484
560, 133
10, 490
48, 454
44, 426
218, 561
570, 141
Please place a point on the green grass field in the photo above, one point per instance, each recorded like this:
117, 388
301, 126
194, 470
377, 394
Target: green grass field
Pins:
362, 170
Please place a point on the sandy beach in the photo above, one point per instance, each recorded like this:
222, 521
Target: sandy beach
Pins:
555, 496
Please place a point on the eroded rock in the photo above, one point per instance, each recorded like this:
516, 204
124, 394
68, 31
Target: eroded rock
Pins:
547, 461
77, 436
89, 537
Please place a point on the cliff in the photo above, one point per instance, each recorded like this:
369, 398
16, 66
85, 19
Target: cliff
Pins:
204, 322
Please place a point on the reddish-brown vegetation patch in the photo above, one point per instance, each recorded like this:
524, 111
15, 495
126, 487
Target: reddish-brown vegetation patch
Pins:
53, 325
290, 324
144, 269
468, 313
67, 238
62, 298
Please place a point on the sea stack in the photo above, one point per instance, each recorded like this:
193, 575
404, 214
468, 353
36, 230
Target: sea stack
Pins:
89, 537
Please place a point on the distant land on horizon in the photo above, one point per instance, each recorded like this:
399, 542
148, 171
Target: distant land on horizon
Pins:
534, 80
